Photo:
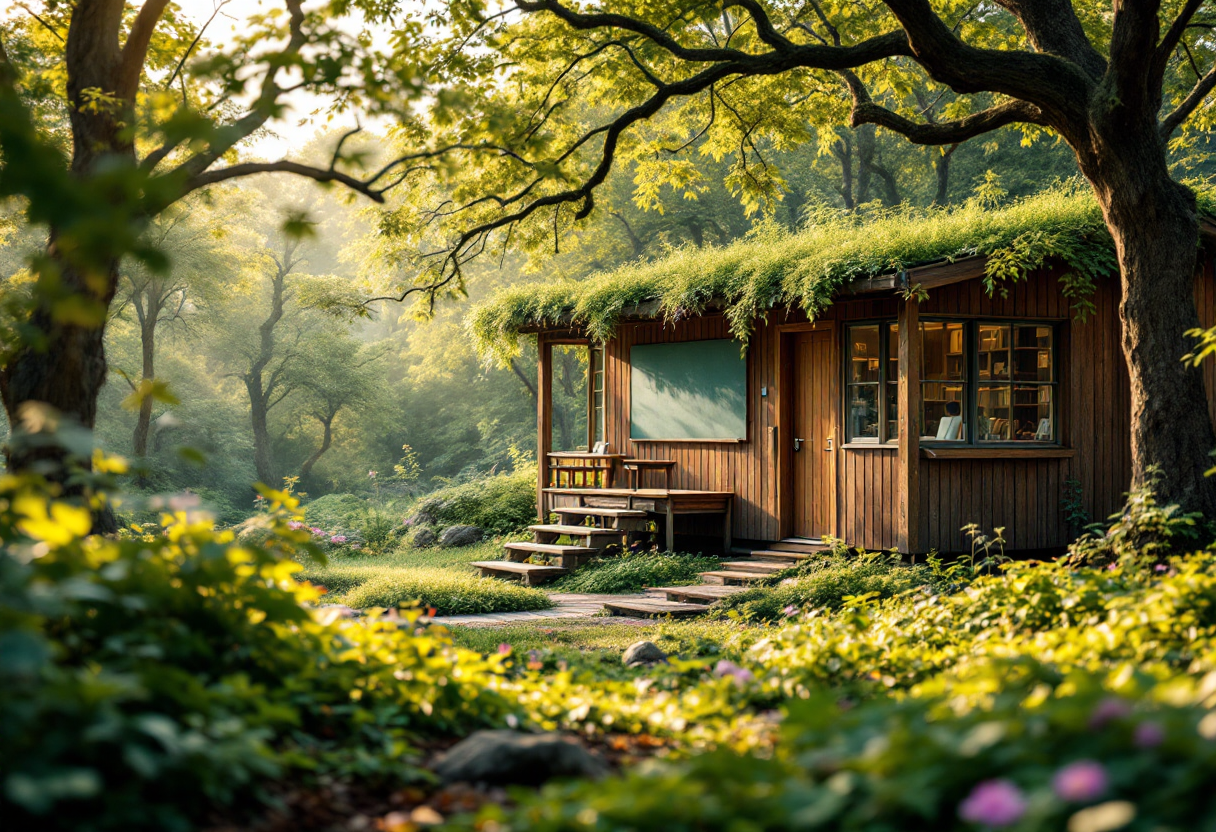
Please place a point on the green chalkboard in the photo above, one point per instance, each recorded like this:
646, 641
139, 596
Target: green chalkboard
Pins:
688, 390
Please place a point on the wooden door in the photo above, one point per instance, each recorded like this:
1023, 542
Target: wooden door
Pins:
815, 394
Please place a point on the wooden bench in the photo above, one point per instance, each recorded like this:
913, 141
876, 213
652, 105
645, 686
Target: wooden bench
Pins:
636, 467
578, 469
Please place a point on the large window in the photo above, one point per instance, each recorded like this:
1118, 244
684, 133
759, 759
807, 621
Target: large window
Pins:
595, 420
981, 382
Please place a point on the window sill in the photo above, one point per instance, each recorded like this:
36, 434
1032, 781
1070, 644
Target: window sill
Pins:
869, 446
998, 452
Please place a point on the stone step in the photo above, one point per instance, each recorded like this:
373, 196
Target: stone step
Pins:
730, 578
654, 608
530, 574
700, 594
763, 567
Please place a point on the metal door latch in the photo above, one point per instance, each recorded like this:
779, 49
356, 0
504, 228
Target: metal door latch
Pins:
798, 444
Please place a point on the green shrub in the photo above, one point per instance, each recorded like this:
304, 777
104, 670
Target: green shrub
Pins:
633, 571
1143, 533
500, 504
824, 583
335, 511
144, 681
448, 592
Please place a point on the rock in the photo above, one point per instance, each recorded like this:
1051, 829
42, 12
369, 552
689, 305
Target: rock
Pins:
643, 653
423, 538
460, 536
507, 757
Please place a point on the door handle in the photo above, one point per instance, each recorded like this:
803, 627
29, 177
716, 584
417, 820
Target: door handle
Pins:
798, 444
829, 447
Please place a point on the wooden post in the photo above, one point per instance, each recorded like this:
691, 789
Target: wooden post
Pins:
544, 421
908, 482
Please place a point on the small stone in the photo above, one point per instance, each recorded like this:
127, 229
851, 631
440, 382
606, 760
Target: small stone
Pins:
643, 653
460, 536
504, 757
423, 538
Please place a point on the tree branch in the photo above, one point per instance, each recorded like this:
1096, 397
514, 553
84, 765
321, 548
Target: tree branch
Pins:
1183, 111
202, 31
135, 52
8, 73
1052, 26
1171, 39
237, 171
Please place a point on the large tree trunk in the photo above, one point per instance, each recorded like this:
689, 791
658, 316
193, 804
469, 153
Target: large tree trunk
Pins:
1155, 226
147, 338
259, 413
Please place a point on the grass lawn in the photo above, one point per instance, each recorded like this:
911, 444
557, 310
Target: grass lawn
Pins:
440, 578
592, 641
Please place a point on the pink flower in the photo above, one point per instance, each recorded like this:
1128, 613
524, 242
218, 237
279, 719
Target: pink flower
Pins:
504, 649
1149, 735
728, 669
994, 803
1080, 782
1161, 567
294, 524
1109, 710
371, 474
316, 530
338, 538
790, 610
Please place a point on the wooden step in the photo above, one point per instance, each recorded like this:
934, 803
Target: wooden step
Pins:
701, 593
731, 578
759, 566
568, 557
799, 544
593, 511
771, 554
574, 531
529, 574
654, 608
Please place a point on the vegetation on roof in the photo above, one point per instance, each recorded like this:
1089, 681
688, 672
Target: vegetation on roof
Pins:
773, 268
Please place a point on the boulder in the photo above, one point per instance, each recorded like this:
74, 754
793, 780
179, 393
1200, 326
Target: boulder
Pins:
642, 653
505, 757
460, 536
423, 538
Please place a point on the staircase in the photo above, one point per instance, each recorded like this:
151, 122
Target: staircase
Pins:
734, 577
612, 529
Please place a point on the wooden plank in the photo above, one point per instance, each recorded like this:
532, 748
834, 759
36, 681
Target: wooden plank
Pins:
907, 479
654, 609
544, 421
999, 452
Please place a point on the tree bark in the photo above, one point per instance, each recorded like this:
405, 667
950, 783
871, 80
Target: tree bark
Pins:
941, 168
148, 319
327, 438
1155, 226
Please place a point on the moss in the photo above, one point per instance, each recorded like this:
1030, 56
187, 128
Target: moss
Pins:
773, 268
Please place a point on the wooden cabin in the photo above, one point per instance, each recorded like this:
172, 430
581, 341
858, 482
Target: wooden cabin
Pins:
887, 422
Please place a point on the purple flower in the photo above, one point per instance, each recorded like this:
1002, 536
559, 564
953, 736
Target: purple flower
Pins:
728, 669
294, 524
1109, 710
790, 610
1080, 782
338, 538
1111, 568
1149, 735
1161, 567
994, 803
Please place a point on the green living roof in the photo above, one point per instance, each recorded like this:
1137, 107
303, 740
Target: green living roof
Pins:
773, 268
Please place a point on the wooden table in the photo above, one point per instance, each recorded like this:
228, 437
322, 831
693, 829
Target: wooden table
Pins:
636, 467
581, 469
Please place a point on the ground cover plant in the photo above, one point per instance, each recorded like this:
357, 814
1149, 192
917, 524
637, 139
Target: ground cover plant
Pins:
634, 571
499, 504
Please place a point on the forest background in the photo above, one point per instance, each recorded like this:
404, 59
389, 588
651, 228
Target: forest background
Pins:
272, 361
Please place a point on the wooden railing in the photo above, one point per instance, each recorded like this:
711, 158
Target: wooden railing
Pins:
576, 469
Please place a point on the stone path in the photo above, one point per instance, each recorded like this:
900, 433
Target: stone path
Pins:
566, 605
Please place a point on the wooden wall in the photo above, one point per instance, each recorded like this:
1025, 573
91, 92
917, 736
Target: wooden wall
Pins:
1022, 495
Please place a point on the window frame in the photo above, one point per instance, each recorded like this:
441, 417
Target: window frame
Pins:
887, 436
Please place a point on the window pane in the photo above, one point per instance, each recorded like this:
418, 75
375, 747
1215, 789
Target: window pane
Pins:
863, 411
863, 353
942, 413
892, 410
1032, 421
942, 355
1032, 353
993, 352
892, 352
992, 413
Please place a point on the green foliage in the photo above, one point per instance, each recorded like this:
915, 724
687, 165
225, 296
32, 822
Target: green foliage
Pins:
772, 268
633, 571
499, 504
448, 592
826, 583
145, 680
335, 511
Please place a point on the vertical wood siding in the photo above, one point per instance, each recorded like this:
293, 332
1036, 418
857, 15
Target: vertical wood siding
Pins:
1022, 495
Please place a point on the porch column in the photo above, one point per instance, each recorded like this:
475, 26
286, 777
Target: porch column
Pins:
908, 519
544, 421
